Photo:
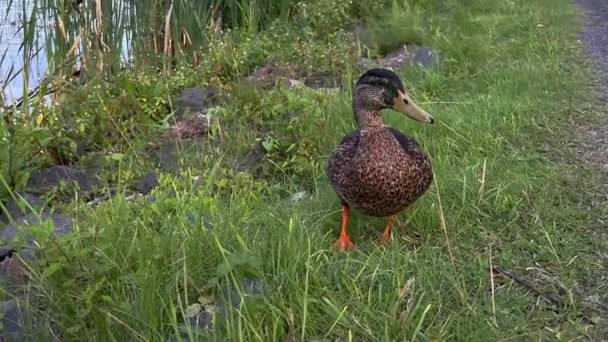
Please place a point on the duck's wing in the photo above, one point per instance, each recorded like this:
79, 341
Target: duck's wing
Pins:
347, 149
351, 140
411, 148
407, 143
340, 162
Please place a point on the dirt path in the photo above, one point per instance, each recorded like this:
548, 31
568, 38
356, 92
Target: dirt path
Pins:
593, 147
596, 32
595, 36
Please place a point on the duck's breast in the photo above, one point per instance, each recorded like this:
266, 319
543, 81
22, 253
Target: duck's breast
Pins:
388, 173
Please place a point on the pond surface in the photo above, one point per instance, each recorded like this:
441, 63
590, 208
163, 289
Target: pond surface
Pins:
11, 39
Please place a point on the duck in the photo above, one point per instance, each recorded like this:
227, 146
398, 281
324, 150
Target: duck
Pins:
376, 169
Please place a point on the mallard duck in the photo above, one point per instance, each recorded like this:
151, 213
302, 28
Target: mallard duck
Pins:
376, 169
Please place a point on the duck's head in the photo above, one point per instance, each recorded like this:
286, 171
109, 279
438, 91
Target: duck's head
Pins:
379, 89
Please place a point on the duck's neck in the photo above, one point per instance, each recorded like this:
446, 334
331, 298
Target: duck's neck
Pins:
368, 118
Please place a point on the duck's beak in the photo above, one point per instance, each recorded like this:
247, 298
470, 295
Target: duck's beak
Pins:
405, 105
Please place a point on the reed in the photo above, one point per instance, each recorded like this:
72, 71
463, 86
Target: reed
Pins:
98, 38
102, 35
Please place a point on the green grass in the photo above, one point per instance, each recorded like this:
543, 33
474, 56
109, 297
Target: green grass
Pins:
500, 198
405, 24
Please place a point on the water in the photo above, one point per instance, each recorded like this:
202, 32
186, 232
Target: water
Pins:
11, 38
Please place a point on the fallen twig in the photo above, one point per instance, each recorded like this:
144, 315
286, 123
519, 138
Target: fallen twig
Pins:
550, 299
556, 302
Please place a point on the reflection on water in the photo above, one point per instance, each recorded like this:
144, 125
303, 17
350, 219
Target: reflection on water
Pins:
11, 38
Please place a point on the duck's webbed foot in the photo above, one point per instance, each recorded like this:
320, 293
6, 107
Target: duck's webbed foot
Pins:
387, 231
344, 242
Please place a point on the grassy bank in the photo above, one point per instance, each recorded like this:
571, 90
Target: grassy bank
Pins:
499, 248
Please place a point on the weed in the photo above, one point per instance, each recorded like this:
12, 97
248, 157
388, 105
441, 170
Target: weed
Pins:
498, 202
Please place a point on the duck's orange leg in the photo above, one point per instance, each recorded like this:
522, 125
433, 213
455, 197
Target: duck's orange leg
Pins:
387, 231
344, 242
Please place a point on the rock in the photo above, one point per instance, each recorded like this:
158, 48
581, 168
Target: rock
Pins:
270, 75
198, 101
298, 196
15, 321
147, 183
267, 75
191, 217
6, 252
200, 321
62, 224
412, 53
167, 158
424, 56
230, 296
196, 182
20, 205
199, 220
366, 64
95, 201
364, 37
13, 273
82, 148
195, 127
86, 147
45, 180
292, 84
92, 162
255, 156
319, 81
253, 286
199, 317
407, 55
394, 60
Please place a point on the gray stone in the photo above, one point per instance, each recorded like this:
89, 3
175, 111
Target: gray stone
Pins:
93, 162
364, 37
196, 127
425, 57
255, 156
147, 183
196, 324
396, 59
404, 56
199, 220
44, 180
15, 321
167, 158
298, 196
13, 273
6, 252
191, 217
292, 84
198, 319
253, 286
26, 254
230, 296
319, 81
196, 100
20, 205
62, 223
201, 321
268, 75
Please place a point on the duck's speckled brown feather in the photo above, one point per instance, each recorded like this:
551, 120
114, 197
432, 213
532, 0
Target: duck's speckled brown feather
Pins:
379, 171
